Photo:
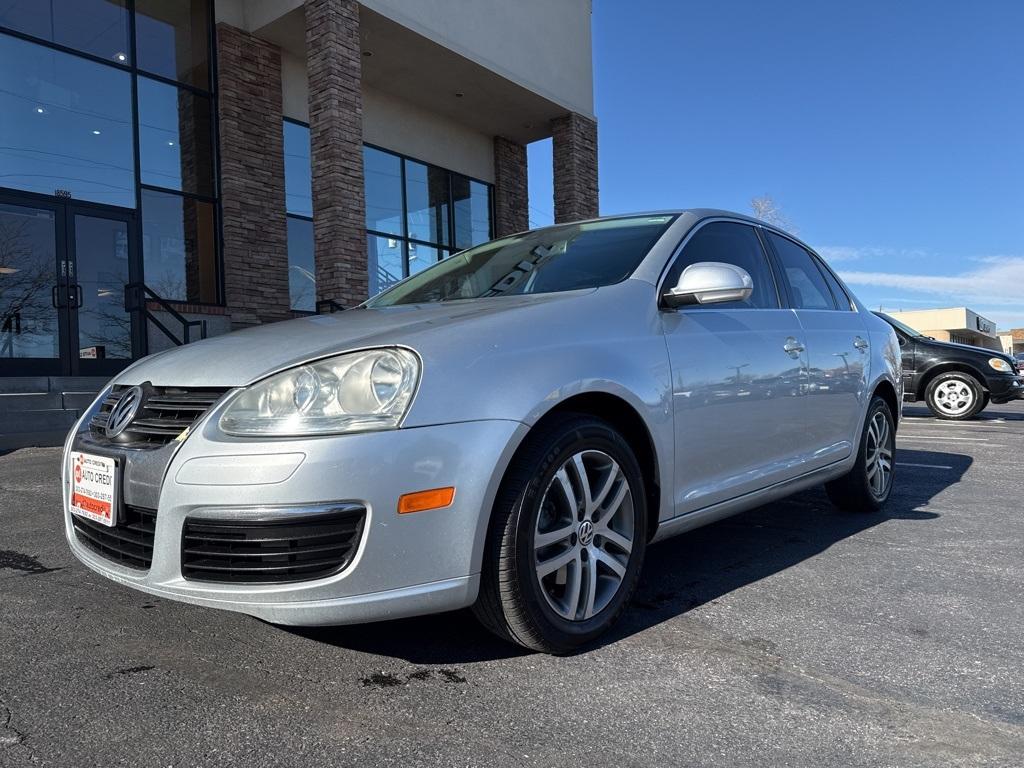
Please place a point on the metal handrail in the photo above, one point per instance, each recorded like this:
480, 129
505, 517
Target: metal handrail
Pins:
136, 299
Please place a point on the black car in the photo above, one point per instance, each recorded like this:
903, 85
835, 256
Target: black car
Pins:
956, 381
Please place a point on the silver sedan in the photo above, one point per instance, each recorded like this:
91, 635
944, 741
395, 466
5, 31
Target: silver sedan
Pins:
509, 430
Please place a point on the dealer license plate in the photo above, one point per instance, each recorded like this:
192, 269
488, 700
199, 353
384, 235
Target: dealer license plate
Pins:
94, 487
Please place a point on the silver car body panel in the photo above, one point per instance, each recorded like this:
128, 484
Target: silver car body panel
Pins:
491, 369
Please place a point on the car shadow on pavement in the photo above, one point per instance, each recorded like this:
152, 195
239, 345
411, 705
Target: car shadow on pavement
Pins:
681, 573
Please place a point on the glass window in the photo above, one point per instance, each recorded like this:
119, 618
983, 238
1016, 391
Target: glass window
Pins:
426, 195
386, 261
842, 298
422, 256
806, 284
472, 203
175, 146
301, 266
28, 265
298, 181
733, 244
172, 39
563, 258
99, 27
66, 125
383, 174
178, 236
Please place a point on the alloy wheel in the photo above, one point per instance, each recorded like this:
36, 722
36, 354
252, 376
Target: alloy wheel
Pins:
880, 447
953, 397
584, 535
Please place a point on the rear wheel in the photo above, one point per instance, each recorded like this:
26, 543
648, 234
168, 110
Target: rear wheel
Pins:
868, 485
567, 537
955, 396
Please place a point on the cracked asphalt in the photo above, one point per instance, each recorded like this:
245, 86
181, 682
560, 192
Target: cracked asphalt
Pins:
790, 635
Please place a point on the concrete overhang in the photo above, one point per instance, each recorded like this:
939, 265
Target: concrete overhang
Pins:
403, 63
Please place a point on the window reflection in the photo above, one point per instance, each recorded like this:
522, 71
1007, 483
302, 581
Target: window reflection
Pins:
426, 196
472, 203
383, 173
386, 261
99, 27
178, 247
172, 39
175, 138
66, 125
28, 263
298, 185
101, 258
301, 267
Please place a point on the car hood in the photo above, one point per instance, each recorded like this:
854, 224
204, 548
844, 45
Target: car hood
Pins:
962, 347
241, 357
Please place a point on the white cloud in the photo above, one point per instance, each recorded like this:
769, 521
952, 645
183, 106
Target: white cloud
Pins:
837, 253
999, 281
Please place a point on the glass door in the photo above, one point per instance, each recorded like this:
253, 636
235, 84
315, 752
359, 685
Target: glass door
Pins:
31, 316
63, 272
100, 264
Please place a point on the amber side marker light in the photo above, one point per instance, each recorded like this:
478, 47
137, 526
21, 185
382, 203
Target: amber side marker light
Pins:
421, 501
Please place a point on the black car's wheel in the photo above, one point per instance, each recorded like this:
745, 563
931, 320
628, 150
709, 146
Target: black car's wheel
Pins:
956, 396
567, 537
868, 485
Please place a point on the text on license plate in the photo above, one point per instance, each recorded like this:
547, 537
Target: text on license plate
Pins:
94, 487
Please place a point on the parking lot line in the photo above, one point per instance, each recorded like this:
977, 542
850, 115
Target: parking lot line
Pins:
923, 466
943, 437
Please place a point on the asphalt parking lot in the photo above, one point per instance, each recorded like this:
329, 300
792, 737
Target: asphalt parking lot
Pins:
790, 635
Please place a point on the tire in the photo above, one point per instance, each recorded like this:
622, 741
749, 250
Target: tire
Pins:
858, 490
955, 396
579, 600
986, 398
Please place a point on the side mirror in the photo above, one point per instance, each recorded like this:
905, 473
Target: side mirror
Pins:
709, 282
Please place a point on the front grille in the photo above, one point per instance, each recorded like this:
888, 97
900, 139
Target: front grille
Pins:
309, 547
165, 413
130, 542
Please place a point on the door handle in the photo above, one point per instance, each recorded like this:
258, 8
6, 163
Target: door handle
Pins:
53, 298
77, 296
792, 347
860, 343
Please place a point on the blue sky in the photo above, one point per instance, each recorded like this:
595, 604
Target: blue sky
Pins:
891, 135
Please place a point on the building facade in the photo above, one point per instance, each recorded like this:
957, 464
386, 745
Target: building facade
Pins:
957, 324
177, 168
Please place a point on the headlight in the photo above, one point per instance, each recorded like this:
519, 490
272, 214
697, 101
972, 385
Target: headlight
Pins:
355, 392
1001, 365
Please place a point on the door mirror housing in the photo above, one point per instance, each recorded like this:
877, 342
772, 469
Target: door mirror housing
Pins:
709, 282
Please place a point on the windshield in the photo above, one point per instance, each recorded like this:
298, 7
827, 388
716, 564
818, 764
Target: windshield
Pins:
559, 258
906, 329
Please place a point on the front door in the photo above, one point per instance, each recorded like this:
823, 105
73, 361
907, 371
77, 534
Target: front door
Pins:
63, 269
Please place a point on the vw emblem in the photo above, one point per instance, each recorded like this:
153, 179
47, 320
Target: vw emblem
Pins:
124, 411
586, 533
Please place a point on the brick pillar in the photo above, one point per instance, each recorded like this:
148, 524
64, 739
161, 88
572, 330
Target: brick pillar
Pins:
511, 193
252, 178
334, 64
574, 152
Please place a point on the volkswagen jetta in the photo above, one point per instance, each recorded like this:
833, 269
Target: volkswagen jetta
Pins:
509, 430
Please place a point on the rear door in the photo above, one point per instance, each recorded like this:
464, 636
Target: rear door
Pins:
737, 377
837, 348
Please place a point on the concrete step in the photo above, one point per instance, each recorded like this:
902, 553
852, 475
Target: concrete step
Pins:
20, 401
24, 384
19, 422
78, 400
91, 384
53, 438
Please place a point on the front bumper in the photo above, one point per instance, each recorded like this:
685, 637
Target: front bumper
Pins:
1003, 389
404, 565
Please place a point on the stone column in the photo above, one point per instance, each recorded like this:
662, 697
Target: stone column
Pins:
252, 178
334, 64
511, 193
574, 153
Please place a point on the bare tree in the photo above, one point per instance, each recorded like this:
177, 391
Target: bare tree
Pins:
766, 209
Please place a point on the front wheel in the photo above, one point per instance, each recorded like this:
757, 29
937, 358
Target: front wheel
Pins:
567, 537
868, 485
955, 396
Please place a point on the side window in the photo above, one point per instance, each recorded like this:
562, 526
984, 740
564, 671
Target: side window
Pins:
806, 284
842, 298
733, 244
